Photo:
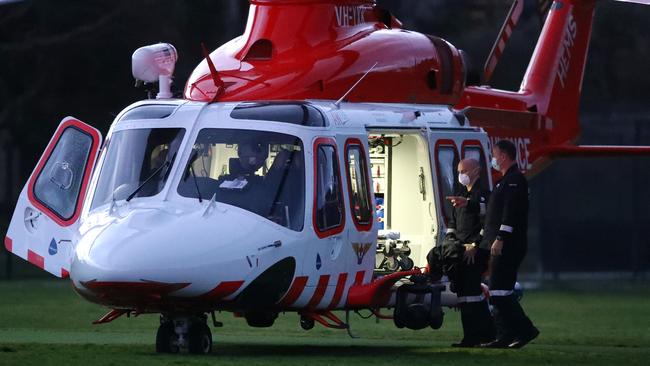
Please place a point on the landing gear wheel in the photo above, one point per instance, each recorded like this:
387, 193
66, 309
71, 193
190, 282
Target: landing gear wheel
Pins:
199, 339
436, 321
306, 322
166, 338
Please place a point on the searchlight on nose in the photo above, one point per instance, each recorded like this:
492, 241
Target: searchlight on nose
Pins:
155, 63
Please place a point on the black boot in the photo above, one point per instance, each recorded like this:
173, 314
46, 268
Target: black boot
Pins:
504, 332
524, 329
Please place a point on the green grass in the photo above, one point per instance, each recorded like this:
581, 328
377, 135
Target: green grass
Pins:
45, 323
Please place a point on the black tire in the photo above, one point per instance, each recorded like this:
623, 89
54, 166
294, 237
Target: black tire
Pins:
436, 321
165, 338
199, 339
306, 322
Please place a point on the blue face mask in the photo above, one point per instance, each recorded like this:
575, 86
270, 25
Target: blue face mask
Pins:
495, 165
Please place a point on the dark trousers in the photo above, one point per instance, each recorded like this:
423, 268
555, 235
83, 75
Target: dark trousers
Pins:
477, 322
510, 319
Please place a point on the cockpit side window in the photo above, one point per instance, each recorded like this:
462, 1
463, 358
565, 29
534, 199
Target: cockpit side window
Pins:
258, 171
59, 182
137, 162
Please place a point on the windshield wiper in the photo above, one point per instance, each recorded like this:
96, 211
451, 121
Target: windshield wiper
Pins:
167, 163
191, 169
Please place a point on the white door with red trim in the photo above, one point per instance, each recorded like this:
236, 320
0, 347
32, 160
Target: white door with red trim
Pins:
45, 222
362, 232
444, 157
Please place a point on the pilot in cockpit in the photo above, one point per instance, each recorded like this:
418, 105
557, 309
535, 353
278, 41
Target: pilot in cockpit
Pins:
252, 156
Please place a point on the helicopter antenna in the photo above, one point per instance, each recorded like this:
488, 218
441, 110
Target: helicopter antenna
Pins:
338, 102
218, 83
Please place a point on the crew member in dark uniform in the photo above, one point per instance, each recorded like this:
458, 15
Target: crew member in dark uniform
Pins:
506, 225
465, 226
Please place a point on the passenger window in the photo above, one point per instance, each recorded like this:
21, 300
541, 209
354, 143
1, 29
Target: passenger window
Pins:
476, 152
59, 182
329, 198
358, 186
447, 165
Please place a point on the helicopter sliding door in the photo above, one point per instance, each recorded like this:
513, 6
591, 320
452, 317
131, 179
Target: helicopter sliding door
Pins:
46, 217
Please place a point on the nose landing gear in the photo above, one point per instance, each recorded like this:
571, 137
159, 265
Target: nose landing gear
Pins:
180, 332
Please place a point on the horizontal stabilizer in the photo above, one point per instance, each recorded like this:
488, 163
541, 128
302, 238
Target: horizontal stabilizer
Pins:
590, 151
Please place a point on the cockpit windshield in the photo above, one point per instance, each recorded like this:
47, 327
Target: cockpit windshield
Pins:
137, 163
261, 172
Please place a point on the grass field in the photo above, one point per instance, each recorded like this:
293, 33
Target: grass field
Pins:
45, 323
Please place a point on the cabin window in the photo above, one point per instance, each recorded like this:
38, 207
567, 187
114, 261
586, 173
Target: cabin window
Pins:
258, 171
59, 182
358, 185
328, 206
137, 162
447, 168
472, 149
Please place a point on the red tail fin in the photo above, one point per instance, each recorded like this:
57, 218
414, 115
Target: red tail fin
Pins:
544, 112
554, 76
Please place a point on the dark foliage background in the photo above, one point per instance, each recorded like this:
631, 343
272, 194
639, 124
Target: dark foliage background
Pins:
72, 57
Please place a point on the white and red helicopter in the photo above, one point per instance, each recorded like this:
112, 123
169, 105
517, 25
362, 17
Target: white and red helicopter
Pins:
304, 170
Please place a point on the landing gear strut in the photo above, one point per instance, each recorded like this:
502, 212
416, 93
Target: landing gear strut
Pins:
177, 332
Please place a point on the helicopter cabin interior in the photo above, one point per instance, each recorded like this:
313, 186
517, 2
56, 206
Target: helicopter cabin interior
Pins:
405, 195
401, 178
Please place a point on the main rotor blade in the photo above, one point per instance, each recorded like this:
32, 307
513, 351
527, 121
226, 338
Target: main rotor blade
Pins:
500, 44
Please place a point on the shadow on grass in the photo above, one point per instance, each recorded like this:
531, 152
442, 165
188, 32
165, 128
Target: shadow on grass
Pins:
379, 351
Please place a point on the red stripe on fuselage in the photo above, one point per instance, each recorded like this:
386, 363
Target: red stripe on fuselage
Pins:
340, 286
9, 244
222, 290
35, 259
294, 292
319, 292
64, 273
358, 279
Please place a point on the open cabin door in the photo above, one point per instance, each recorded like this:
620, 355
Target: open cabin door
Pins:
444, 157
46, 218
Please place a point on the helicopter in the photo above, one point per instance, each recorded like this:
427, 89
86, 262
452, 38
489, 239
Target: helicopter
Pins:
304, 169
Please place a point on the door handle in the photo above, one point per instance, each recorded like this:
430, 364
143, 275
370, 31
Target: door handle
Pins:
276, 244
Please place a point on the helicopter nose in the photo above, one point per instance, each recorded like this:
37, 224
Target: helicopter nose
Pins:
148, 256
118, 273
